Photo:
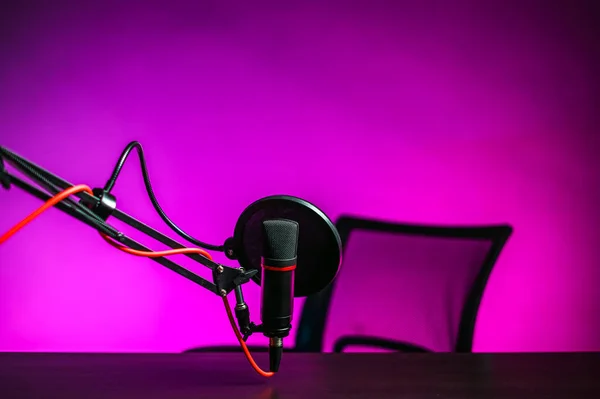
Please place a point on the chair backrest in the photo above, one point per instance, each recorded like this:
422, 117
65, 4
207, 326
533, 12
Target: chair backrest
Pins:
419, 285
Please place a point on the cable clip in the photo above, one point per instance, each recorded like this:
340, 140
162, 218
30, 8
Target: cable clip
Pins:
107, 204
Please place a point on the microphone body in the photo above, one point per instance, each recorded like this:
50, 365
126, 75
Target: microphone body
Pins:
280, 248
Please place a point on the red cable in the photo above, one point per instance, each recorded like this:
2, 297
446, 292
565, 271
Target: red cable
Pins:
155, 254
148, 254
49, 204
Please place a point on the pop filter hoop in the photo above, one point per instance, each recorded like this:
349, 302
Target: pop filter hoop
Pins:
319, 243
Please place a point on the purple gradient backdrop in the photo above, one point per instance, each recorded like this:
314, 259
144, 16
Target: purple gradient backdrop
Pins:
441, 112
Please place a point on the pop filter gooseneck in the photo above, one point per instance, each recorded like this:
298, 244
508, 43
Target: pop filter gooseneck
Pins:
319, 244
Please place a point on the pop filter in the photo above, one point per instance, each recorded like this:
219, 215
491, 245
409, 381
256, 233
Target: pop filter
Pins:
319, 244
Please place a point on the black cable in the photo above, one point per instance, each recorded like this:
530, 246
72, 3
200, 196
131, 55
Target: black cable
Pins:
115, 174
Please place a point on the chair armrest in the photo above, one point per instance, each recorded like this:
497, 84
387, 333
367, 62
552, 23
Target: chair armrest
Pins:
226, 348
383, 343
232, 348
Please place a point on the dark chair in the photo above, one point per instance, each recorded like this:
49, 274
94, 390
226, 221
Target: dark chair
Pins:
401, 287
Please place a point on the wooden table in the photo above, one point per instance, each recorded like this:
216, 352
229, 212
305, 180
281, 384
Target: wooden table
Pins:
305, 376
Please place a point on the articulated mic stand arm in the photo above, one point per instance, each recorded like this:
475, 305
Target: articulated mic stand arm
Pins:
94, 210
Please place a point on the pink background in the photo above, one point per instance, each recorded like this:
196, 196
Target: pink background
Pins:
443, 112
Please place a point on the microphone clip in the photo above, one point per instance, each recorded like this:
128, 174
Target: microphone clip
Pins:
251, 329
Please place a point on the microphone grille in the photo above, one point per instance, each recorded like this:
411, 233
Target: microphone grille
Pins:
280, 239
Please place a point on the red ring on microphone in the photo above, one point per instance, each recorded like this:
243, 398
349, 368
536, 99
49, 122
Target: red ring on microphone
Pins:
279, 269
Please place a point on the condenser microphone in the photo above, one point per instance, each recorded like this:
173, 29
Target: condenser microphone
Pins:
278, 262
